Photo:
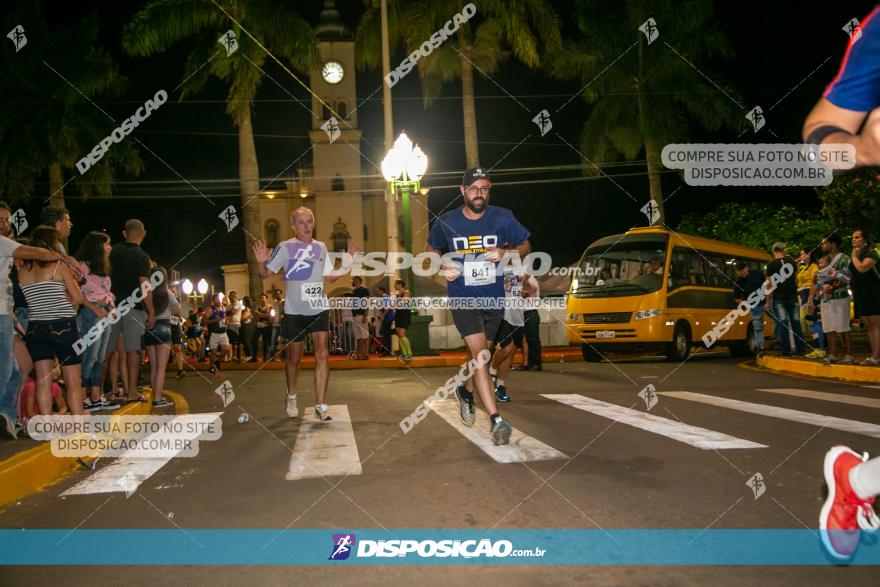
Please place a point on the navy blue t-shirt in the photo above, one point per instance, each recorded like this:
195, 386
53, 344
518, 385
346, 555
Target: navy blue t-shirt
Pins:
469, 240
857, 84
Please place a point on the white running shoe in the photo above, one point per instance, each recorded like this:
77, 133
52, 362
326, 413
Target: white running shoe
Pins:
322, 411
292, 410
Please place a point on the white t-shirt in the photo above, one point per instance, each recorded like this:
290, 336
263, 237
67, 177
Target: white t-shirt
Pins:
7, 247
513, 287
233, 313
303, 267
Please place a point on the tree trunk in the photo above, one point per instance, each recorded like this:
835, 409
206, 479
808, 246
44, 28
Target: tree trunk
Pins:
249, 185
470, 111
56, 185
651, 156
653, 159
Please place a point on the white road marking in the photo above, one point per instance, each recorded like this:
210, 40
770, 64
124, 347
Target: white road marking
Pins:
872, 386
522, 448
840, 398
842, 424
125, 474
692, 435
324, 449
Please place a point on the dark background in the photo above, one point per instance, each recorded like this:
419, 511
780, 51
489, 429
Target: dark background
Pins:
777, 44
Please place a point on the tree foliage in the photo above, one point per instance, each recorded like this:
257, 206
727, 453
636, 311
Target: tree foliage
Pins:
759, 225
853, 201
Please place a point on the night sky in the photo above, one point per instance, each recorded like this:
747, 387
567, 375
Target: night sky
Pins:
777, 45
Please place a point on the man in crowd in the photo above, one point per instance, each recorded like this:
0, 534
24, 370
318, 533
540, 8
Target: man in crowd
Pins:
277, 315
233, 323
131, 268
782, 302
748, 281
359, 319
835, 300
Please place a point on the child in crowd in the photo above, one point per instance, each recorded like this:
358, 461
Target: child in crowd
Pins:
28, 406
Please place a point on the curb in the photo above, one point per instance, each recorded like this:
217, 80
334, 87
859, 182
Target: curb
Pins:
35, 469
554, 356
852, 373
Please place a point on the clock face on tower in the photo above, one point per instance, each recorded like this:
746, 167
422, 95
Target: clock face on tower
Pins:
332, 72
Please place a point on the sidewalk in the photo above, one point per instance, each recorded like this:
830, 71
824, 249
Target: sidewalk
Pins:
29, 466
816, 368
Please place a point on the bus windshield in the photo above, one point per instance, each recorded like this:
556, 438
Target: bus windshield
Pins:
624, 267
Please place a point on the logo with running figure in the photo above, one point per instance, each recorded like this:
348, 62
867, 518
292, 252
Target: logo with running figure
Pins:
343, 544
300, 259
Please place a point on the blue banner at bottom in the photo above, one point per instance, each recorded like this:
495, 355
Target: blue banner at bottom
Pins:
426, 547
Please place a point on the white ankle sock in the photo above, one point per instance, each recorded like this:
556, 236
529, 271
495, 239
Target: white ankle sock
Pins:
865, 478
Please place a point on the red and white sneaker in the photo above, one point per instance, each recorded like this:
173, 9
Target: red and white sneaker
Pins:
844, 514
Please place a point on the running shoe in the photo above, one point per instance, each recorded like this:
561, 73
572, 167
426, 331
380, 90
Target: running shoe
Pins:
322, 411
501, 394
500, 431
830, 360
848, 360
162, 402
844, 514
105, 404
816, 354
292, 410
466, 405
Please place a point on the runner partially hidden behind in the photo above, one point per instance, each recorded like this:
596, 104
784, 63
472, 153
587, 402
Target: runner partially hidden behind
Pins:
849, 112
477, 233
306, 309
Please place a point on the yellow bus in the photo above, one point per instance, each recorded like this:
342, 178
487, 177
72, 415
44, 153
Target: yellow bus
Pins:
655, 289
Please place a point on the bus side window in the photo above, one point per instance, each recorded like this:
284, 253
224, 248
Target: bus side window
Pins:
717, 275
678, 272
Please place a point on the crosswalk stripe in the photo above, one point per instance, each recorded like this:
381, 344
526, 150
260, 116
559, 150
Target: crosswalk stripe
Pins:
840, 398
126, 474
324, 449
842, 424
692, 435
522, 448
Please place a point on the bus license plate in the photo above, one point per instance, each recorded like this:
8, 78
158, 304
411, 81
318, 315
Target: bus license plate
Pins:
605, 334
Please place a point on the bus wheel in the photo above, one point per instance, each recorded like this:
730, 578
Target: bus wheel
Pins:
744, 348
680, 347
591, 355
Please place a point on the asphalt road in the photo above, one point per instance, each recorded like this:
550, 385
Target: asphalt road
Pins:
617, 471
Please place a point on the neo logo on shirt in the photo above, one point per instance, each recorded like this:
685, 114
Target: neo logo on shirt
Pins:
474, 244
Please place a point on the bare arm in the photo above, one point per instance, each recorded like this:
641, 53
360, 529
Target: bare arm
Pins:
862, 265
73, 290
862, 129
34, 253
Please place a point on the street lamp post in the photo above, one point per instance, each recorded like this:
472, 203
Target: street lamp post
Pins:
403, 168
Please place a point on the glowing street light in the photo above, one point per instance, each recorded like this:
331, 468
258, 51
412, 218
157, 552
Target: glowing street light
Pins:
403, 168
187, 286
202, 286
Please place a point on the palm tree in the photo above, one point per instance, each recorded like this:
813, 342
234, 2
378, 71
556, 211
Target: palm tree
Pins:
526, 28
650, 94
52, 122
163, 23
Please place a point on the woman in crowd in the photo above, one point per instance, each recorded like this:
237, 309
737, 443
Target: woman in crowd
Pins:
402, 320
53, 298
158, 340
865, 284
806, 278
247, 327
93, 256
264, 328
